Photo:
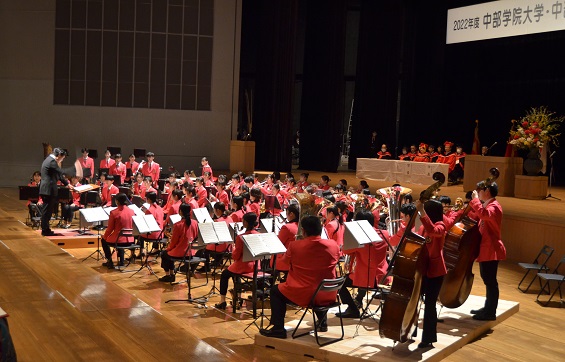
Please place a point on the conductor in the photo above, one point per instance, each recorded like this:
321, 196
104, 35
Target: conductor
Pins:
51, 173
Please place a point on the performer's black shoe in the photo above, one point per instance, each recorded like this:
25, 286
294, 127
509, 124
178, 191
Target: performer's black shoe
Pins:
349, 313
221, 305
167, 278
425, 345
484, 317
274, 333
48, 233
477, 311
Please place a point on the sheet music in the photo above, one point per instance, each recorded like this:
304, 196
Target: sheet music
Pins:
258, 245
136, 209
202, 215
240, 228
94, 214
359, 233
324, 234
145, 224
223, 232
109, 209
370, 231
175, 218
84, 188
267, 225
207, 233
274, 243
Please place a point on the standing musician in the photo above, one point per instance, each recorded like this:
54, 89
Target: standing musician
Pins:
131, 165
383, 154
422, 155
107, 162
51, 173
491, 249
433, 229
68, 209
304, 276
238, 266
118, 168
150, 167
108, 190
86, 163
184, 232
120, 218
370, 267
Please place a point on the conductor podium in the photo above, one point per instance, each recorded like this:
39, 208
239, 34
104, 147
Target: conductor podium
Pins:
477, 168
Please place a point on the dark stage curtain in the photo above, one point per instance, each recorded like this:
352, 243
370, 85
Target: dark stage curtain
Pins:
274, 83
323, 85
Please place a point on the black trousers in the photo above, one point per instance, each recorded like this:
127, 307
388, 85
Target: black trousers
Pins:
278, 309
346, 297
49, 203
166, 262
489, 270
67, 211
430, 288
108, 253
224, 280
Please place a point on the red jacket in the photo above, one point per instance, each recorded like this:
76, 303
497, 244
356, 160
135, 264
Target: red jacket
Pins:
87, 163
133, 166
361, 269
152, 171
182, 235
490, 216
435, 235
311, 259
335, 231
448, 159
119, 170
220, 248
202, 196
287, 234
207, 168
239, 266
157, 213
107, 163
237, 216
173, 210
421, 157
120, 218
107, 194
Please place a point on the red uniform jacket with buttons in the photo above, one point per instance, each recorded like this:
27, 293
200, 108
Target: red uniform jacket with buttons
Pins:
435, 238
490, 216
120, 218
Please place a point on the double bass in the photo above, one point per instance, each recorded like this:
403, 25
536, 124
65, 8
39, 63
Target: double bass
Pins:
460, 250
400, 309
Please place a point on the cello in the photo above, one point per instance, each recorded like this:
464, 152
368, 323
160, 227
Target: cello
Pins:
400, 309
460, 250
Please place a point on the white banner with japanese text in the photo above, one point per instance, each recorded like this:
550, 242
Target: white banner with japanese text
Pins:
499, 19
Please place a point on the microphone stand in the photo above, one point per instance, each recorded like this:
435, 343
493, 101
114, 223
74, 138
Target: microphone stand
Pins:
549, 196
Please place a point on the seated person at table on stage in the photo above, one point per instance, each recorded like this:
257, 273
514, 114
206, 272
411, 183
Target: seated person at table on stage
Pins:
422, 155
108, 190
215, 249
68, 209
150, 167
304, 276
404, 156
138, 186
302, 182
118, 169
176, 200
324, 184
35, 181
86, 163
237, 209
368, 267
157, 212
184, 232
147, 187
439, 152
190, 197
448, 158
206, 167
120, 218
363, 188
201, 192
383, 154
238, 266
432, 153
132, 165
413, 152
406, 211
484, 151
458, 172
107, 161
334, 225
287, 234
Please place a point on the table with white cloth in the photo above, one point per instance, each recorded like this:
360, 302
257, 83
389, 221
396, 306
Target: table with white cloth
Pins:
397, 171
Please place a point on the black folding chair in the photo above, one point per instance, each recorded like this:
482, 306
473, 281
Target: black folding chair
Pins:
555, 277
538, 265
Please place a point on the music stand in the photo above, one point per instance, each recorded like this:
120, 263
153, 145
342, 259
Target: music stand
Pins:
549, 196
95, 214
214, 233
146, 224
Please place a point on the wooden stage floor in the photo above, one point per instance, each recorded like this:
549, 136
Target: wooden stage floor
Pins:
62, 309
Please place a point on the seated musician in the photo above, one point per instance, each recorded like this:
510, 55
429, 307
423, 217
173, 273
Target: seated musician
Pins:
176, 201
268, 186
422, 155
150, 167
108, 190
290, 189
302, 182
184, 232
304, 276
406, 211
35, 181
370, 266
383, 154
404, 156
345, 210
238, 209
201, 192
187, 177
208, 179
363, 186
190, 196
206, 167
120, 218
86, 163
280, 200
157, 212
147, 187
219, 215
287, 234
249, 181
167, 188
107, 161
254, 204
238, 266
324, 184
334, 225
234, 184
221, 195
131, 165
118, 169
68, 209
433, 229
138, 184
